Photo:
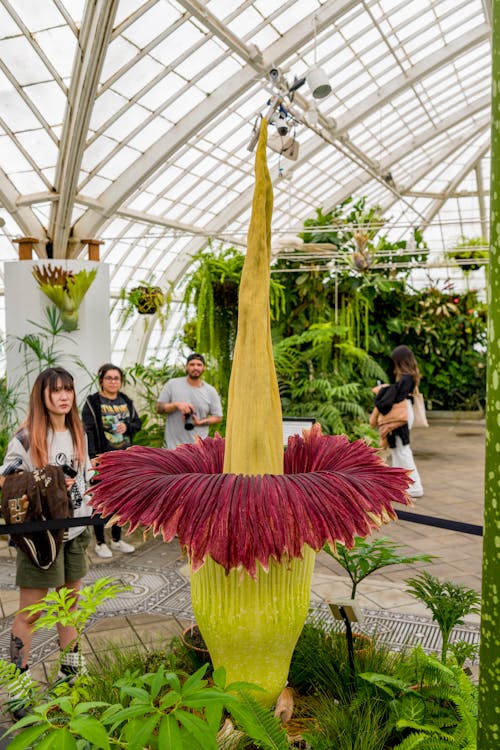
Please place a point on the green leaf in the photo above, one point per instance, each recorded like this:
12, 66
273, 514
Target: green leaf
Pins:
27, 736
195, 681
92, 730
198, 728
142, 734
60, 739
169, 734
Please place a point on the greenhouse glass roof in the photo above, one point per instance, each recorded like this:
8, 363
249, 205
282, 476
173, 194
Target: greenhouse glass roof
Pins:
131, 123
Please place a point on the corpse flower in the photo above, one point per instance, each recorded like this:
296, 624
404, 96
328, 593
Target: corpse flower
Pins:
250, 516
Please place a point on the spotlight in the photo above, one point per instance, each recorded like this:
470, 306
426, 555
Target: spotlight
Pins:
318, 82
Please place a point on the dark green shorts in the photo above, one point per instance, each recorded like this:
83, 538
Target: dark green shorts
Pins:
70, 565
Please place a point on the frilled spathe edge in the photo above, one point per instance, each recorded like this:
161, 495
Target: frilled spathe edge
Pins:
332, 491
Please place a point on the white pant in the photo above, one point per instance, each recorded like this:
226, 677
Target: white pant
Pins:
402, 457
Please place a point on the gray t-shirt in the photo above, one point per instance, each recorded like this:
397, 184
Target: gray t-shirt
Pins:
205, 400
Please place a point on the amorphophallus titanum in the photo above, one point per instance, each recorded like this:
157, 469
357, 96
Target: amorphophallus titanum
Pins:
249, 516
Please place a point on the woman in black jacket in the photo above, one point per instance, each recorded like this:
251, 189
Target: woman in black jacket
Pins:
111, 421
407, 377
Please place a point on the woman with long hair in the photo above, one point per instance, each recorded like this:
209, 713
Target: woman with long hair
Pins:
52, 433
407, 378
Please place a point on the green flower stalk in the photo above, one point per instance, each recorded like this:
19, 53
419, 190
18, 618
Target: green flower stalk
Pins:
249, 516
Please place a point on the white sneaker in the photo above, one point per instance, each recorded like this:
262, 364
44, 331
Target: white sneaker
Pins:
122, 546
102, 550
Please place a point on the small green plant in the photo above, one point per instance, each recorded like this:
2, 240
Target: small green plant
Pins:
449, 603
433, 705
367, 556
155, 710
59, 606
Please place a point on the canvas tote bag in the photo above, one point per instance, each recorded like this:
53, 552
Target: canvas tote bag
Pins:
419, 418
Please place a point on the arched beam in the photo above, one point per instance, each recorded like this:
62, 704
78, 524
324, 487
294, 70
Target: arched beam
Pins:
22, 215
132, 178
93, 41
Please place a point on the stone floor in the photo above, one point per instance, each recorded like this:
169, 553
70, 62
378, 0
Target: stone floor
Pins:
450, 458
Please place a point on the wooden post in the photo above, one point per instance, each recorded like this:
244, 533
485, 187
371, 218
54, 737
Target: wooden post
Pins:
94, 253
26, 247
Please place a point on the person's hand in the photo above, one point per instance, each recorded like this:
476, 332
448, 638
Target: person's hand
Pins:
120, 428
199, 422
185, 408
69, 482
376, 388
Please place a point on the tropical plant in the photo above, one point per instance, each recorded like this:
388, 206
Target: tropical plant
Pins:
8, 416
469, 249
147, 381
354, 229
433, 705
145, 298
212, 289
261, 576
59, 606
449, 603
369, 555
160, 709
65, 289
46, 346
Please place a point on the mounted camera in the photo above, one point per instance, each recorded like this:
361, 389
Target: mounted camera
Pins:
281, 123
274, 75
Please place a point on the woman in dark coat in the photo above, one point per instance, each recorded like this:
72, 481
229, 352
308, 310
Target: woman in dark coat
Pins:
111, 421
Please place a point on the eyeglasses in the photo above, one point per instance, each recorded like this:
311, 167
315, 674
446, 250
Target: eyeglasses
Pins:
111, 377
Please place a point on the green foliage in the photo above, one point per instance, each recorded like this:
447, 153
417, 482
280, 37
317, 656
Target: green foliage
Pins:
8, 419
469, 249
145, 299
356, 726
369, 555
449, 603
161, 709
147, 381
66, 290
431, 704
320, 662
59, 606
212, 288
354, 229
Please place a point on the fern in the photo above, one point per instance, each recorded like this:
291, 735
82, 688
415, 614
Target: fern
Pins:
259, 723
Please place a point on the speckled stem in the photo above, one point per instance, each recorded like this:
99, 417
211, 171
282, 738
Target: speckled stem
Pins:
251, 627
489, 683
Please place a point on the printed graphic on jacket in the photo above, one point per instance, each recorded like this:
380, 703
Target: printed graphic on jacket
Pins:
112, 415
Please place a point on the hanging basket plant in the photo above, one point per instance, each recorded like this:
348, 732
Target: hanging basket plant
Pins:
145, 299
65, 289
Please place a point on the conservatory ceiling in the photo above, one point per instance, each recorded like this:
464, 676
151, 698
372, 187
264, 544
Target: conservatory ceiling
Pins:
131, 123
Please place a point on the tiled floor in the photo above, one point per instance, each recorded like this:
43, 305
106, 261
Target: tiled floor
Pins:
450, 457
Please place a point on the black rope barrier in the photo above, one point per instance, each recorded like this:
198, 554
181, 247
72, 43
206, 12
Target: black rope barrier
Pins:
66, 523
49, 524
441, 523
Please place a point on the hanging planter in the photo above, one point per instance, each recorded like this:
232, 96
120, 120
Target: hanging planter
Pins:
144, 299
147, 300
65, 289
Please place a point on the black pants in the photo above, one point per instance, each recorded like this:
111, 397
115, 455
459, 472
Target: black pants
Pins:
116, 531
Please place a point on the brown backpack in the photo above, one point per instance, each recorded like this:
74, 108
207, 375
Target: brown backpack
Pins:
36, 496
